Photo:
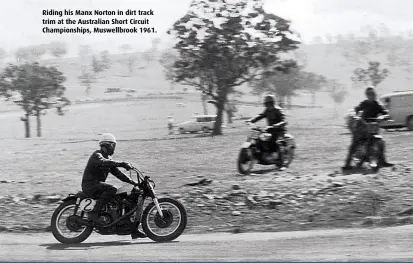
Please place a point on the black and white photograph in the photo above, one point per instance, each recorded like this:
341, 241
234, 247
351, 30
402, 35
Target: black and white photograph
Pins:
206, 130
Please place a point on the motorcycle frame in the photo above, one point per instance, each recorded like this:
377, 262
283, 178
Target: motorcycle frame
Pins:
145, 189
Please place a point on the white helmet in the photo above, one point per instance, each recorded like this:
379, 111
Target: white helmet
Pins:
107, 137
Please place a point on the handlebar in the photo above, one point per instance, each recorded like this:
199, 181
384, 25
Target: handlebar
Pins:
141, 177
378, 119
255, 127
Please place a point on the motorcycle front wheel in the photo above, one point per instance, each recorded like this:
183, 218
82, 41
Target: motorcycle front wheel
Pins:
168, 227
288, 156
375, 157
245, 161
64, 228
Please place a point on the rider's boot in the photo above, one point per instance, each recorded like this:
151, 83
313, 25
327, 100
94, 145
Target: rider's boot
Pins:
384, 163
382, 160
136, 233
347, 165
94, 214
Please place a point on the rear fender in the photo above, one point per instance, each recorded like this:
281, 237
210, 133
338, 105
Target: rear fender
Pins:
70, 197
79, 196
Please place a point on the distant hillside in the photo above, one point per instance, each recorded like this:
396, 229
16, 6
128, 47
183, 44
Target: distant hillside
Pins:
328, 60
149, 78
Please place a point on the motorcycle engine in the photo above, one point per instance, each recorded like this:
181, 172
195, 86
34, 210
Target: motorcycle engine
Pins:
265, 136
106, 218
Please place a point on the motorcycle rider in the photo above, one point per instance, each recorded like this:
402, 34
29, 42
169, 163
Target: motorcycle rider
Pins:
370, 108
97, 169
274, 115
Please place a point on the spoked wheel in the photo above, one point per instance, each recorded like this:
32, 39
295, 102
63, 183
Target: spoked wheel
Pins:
168, 227
245, 161
374, 158
288, 156
65, 229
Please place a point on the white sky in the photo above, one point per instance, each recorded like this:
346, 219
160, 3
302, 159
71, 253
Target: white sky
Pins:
20, 20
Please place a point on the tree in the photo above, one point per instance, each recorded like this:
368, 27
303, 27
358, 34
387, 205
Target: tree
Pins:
167, 60
105, 59
223, 45
97, 66
283, 85
37, 51
57, 49
204, 99
131, 58
151, 55
86, 79
373, 75
337, 92
312, 82
37, 86
61, 104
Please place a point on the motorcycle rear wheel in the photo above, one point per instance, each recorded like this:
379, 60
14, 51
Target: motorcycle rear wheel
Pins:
56, 231
164, 222
244, 158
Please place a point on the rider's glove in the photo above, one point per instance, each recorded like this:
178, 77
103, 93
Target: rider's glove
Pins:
126, 165
134, 183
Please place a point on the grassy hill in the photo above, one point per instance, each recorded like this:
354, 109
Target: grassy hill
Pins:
149, 78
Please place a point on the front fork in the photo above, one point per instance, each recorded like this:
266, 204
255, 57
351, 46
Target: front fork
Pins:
155, 200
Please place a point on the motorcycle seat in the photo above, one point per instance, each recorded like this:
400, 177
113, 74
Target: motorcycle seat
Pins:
82, 195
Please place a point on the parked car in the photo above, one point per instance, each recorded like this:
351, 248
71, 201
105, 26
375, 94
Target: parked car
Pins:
198, 123
400, 107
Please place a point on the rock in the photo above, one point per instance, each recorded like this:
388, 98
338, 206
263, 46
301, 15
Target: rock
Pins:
202, 182
209, 196
236, 187
36, 197
380, 221
236, 230
263, 194
337, 184
272, 204
236, 213
16, 199
407, 212
388, 221
237, 193
251, 201
6, 181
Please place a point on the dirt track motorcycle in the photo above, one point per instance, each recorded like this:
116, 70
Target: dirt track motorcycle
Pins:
370, 148
162, 220
261, 149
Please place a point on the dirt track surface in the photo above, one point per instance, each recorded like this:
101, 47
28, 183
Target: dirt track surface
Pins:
384, 244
